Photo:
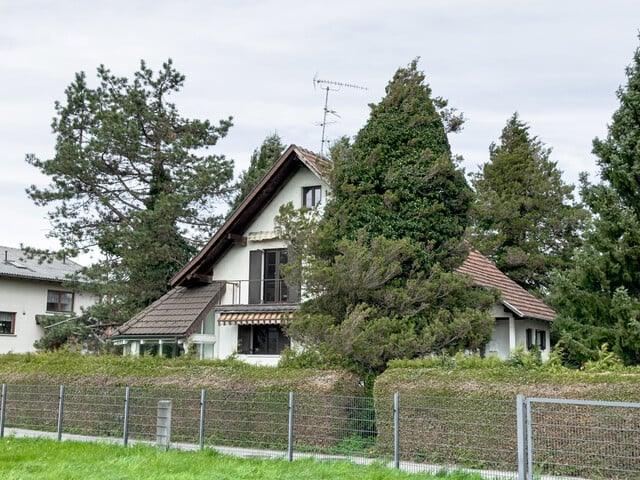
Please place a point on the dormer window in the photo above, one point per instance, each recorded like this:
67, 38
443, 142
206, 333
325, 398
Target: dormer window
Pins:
311, 196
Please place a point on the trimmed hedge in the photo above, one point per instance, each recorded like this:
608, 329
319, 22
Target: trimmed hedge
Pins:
246, 405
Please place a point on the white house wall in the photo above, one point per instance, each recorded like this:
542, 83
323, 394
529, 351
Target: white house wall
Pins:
234, 265
510, 333
28, 298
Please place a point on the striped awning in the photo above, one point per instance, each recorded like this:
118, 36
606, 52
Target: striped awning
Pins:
253, 318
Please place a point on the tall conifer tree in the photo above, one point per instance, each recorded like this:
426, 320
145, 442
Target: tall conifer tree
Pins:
525, 218
599, 299
130, 178
379, 262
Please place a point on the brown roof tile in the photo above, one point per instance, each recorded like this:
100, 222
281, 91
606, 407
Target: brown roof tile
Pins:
176, 313
485, 273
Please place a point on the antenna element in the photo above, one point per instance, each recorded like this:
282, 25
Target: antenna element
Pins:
328, 84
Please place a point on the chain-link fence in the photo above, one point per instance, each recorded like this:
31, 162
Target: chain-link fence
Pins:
523, 439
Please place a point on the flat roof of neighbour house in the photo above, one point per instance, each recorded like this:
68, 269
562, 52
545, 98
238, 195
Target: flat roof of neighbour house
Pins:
176, 314
199, 268
514, 297
15, 264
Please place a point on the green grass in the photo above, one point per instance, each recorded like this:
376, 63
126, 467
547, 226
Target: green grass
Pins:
27, 459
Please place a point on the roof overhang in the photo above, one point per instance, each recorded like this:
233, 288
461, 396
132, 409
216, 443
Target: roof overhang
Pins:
234, 227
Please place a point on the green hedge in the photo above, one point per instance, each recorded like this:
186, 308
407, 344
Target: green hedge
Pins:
463, 411
246, 405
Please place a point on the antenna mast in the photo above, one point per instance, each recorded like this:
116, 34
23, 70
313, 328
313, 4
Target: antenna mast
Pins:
328, 84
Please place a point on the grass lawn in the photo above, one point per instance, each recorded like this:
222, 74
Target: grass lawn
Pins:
26, 459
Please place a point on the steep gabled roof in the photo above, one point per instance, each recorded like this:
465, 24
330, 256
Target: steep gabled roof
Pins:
15, 264
273, 181
176, 314
514, 297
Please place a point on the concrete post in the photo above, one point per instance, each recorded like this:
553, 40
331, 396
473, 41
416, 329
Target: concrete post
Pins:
163, 425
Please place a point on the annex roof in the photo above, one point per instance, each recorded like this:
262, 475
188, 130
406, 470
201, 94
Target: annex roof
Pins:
15, 264
176, 314
514, 297
199, 268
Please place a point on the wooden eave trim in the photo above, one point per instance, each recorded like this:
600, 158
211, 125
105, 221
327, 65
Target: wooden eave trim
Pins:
240, 217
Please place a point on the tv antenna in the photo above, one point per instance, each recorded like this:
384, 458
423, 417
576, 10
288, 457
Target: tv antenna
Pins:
330, 85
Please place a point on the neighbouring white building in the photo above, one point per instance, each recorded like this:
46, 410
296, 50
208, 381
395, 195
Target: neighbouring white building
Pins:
30, 290
231, 300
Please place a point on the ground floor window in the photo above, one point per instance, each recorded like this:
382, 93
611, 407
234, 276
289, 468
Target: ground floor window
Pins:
168, 350
7, 323
261, 340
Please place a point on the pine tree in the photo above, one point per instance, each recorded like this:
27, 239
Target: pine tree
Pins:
599, 299
130, 179
525, 218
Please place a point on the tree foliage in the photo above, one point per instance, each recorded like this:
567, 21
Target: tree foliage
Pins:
599, 299
131, 179
377, 266
525, 218
261, 161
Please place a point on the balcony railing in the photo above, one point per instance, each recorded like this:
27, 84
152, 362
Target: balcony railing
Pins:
257, 292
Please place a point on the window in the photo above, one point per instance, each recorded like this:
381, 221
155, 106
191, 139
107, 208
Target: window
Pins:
311, 196
541, 339
261, 340
266, 284
7, 323
59, 301
275, 290
529, 338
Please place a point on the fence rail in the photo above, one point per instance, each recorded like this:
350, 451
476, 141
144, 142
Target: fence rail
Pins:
501, 439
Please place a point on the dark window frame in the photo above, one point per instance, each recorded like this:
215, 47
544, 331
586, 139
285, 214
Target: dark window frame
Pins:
59, 304
541, 339
261, 340
12, 324
274, 288
311, 196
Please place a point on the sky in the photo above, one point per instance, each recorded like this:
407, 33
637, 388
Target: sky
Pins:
557, 63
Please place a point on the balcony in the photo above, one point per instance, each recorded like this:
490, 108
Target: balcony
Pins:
260, 292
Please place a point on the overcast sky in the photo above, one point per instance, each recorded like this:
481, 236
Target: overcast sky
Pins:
558, 63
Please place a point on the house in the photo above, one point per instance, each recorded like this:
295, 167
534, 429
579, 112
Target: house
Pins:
521, 319
30, 290
231, 300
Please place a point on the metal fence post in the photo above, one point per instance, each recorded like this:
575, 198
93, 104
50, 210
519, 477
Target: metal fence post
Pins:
521, 436
203, 403
529, 429
125, 426
3, 409
396, 430
60, 411
290, 431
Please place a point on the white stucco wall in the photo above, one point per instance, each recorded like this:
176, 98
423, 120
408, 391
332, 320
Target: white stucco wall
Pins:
511, 333
28, 298
234, 265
